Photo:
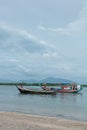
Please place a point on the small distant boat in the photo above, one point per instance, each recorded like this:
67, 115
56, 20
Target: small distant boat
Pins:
64, 89
34, 91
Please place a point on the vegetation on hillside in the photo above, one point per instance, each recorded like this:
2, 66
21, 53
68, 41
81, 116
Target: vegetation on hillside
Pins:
37, 84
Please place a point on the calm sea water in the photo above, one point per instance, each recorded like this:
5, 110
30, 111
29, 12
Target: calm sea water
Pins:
71, 106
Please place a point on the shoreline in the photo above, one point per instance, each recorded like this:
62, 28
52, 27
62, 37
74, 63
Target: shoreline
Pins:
20, 121
46, 115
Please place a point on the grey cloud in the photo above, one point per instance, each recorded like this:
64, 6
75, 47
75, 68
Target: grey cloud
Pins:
14, 39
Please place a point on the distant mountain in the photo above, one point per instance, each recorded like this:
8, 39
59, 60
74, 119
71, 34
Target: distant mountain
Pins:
55, 80
28, 81
6, 81
46, 80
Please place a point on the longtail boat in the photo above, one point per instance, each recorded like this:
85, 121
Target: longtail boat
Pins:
64, 89
34, 91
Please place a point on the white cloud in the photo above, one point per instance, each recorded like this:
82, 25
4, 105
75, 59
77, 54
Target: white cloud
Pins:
22, 53
42, 28
50, 55
77, 26
26, 69
83, 12
71, 28
14, 39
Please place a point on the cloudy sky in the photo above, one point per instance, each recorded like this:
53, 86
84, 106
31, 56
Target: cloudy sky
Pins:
43, 38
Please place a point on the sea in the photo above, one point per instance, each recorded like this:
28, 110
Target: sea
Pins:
62, 105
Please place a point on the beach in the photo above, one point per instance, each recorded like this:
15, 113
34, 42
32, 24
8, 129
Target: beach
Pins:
19, 121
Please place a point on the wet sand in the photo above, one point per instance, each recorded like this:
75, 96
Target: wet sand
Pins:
18, 121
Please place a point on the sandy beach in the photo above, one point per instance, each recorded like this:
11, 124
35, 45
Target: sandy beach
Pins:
18, 121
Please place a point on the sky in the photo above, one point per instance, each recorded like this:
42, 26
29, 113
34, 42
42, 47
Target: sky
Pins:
43, 38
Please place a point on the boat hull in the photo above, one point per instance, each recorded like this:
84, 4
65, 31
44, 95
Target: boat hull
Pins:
34, 91
74, 90
64, 89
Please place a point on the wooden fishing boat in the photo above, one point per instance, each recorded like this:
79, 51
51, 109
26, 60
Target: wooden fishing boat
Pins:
69, 89
64, 89
34, 91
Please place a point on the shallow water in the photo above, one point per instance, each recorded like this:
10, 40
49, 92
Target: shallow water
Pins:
70, 106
